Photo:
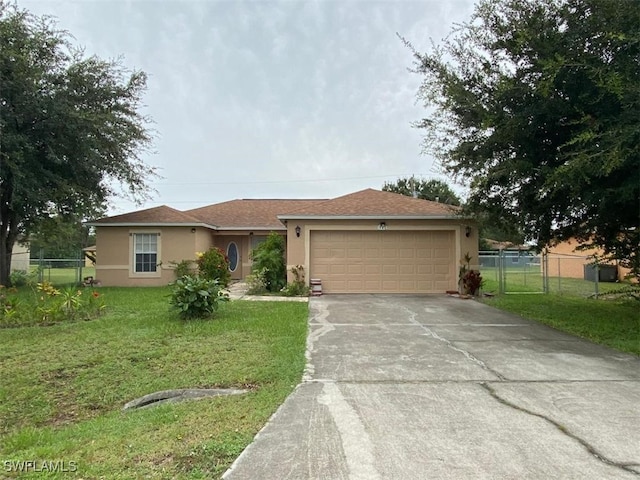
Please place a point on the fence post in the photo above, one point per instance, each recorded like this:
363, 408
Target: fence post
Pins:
503, 272
559, 277
597, 272
80, 262
41, 266
545, 271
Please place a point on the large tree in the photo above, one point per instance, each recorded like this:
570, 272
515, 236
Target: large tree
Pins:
535, 104
71, 133
434, 190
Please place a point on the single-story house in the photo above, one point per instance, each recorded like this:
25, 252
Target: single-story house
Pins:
565, 260
364, 242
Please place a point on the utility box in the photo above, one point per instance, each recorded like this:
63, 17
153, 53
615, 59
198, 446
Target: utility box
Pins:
606, 273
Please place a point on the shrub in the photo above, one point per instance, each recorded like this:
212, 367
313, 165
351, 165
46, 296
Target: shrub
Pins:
20, 278
268, 257
257, 283
197, 297
214, 265
297, 288
471, 282
183, 267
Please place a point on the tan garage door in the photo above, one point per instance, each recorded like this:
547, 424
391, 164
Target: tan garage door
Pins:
383, 261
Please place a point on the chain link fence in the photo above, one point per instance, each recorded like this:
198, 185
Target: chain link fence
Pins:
524, 272
58, 271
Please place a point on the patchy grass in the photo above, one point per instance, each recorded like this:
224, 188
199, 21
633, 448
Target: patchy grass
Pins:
62, 387
615, 324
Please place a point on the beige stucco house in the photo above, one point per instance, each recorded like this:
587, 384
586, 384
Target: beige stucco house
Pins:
568, 261
368, 241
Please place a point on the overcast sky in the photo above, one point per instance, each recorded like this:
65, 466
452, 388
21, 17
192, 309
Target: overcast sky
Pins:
269, 99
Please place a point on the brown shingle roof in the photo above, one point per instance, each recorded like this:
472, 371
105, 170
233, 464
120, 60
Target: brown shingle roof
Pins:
151, 216
248, 213
373, 203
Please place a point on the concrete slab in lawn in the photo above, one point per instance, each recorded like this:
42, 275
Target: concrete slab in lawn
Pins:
403, 387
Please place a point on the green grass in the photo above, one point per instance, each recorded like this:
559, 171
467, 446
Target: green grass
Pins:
615, 324
62, 387
66, 276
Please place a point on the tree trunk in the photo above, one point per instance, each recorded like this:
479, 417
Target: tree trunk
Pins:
8, 237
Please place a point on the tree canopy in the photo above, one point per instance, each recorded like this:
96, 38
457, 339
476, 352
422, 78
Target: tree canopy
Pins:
71, 131
434, 190
534, 104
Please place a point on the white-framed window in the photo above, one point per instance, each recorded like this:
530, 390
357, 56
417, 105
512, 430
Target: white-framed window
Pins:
145, 252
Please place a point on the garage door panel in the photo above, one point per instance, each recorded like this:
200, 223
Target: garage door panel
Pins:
383, 261
354, 269
371, 253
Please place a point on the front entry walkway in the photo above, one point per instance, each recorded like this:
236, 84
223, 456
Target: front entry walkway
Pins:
430, 387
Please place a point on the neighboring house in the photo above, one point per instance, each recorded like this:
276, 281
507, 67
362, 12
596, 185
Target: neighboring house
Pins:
20, 257
365, 242
566, 261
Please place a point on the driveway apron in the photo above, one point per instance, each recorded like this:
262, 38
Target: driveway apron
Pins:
434, 387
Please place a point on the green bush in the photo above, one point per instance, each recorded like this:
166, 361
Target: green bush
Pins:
297, 288
20, 278
268, 257
257, 282
183, 267
214, 265
197, 297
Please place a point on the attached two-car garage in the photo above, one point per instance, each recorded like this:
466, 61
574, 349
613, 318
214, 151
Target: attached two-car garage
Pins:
380, 242
383, 261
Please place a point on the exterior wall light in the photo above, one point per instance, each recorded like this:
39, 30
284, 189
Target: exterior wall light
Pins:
298, 230
467, 231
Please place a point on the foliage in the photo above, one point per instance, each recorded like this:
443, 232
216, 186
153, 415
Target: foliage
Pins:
88, 372
214, 265
59, 236
20, 278
469, 280
197, 297
434, 190
257, 282
182, 268
297, 288
268, 257
48, 305
536, 102
71, 129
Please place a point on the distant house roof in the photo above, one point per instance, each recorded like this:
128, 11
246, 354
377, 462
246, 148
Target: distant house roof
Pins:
372, 203
249, 214
161, 215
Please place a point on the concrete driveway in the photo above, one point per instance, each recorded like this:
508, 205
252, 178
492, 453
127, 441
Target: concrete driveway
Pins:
433, 387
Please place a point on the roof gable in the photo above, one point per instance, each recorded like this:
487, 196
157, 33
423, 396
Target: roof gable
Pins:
161, 215
374, 203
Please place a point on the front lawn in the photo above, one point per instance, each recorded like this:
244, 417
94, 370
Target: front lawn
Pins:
608, 322
62, 387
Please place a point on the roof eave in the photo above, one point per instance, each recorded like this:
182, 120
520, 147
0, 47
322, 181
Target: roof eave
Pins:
150, 224
371, 217
252, 229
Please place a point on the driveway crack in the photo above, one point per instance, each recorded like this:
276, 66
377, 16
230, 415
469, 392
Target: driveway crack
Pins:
452, 346
627, 467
